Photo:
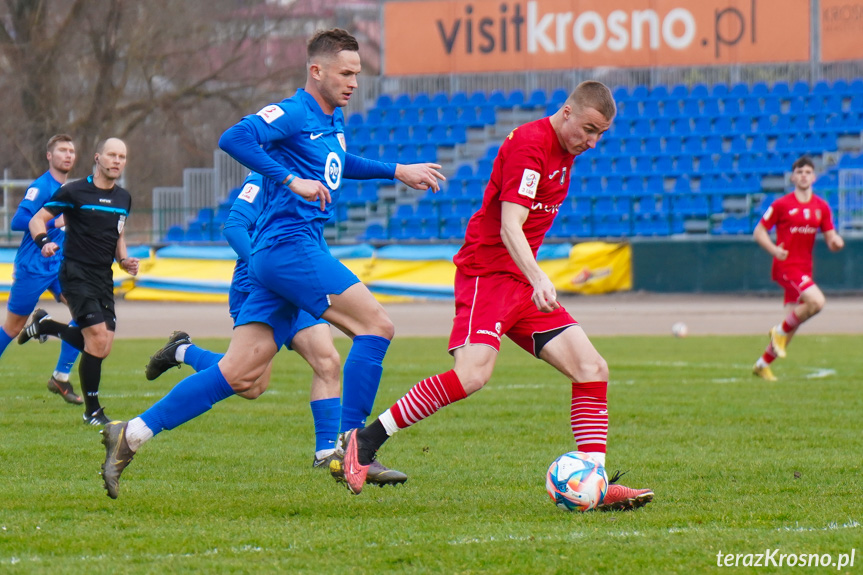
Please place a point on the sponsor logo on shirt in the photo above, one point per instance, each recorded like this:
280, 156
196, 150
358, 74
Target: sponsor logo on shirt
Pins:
31, 194
794, 211
249, 192
806, 230
548, 208
271, 113
333, 171
315, 136
529, 183
104, 200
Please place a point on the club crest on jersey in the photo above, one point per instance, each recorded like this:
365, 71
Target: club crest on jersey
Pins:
249, 192
271, 113
341, 137
529, 183
333, 171
121, 223
31, 194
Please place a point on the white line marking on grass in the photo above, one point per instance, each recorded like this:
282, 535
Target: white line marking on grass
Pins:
820, 373
832, 526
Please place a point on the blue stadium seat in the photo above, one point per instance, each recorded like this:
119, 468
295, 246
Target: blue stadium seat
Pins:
384, 101
699, 91
681, 127
421, 99
780, 89
427, 153
800, 89
620, 94
719, 90
639, 92
537, 99
374, 231
692, 108
458, 99
478, 99
402, 101
497, 98
658, 92
703, 125
515, 98
711, 108
174, 234
651, 225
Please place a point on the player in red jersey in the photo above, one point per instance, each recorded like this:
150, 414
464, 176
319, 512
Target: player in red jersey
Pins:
797, 216
501, 290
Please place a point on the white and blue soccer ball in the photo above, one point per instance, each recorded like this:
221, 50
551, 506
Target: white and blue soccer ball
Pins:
575, 482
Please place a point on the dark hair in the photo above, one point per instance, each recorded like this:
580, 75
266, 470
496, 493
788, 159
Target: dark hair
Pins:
596, 95
56, 139
331, 42
801, 162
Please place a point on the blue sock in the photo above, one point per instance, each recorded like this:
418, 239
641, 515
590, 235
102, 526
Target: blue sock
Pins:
363, 370
68, 355
326, 413
190, 398
5, 340
200, 359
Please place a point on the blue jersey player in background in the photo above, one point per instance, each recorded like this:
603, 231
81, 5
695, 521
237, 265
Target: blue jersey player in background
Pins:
299, 146
312, 339
34, 275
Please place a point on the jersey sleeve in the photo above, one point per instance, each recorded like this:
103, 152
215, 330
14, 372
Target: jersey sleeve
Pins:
275, 122
357, 168
521, 170
827, 218
59, 202
770, 217
34, 199
244, 213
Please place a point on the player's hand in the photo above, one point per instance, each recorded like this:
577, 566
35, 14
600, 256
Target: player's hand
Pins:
780, 253
49, 249
312, 191
130, 265
420, 176
545, 296
837, 244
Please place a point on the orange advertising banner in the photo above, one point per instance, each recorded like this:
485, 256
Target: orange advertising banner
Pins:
463, 36
841, 30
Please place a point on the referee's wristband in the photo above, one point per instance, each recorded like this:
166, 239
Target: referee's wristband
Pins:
41, 240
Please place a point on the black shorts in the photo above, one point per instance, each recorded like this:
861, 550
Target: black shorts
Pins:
89, 291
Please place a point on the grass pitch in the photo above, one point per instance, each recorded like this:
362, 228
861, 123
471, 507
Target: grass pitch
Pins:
738, 465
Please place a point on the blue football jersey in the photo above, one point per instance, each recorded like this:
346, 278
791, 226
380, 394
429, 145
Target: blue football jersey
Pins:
250, 204
297, 137
29, 257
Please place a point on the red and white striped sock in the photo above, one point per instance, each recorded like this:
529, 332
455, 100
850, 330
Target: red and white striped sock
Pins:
427, 397
589, 415
769, 355
790, 324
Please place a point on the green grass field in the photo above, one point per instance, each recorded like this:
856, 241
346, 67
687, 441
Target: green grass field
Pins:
738, 465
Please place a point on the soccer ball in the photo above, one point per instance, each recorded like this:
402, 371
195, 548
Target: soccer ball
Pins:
575, 482
679, 329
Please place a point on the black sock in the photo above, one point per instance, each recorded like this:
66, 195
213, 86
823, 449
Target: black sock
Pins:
71, 334
90, 374
373, 437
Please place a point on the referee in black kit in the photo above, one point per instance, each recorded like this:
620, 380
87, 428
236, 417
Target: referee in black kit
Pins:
95, 211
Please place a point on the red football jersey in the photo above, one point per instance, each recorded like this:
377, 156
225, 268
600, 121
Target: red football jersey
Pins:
531, 169
796, 226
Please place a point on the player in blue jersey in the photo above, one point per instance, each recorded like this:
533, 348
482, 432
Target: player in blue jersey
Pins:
312, 339
299, 146
34, 275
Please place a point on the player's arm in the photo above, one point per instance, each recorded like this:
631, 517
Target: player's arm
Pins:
121, 254
512, 218
762, 236
243, 140
421, 176
834, 240
38, 227
236, 231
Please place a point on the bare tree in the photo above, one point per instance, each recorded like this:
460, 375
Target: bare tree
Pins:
166, 75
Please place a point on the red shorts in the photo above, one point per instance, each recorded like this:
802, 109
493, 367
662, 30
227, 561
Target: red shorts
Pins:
794, 282
489, 307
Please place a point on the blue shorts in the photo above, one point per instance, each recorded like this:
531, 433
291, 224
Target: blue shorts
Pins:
237, 298
26, 291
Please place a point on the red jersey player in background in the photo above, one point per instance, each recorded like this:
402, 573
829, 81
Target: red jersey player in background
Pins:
501, 290
797, 216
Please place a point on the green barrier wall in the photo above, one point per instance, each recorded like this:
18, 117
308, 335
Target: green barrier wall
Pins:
734, 265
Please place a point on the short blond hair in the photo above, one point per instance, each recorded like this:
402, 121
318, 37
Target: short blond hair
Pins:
596, 95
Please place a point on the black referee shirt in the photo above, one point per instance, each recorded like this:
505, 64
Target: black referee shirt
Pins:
94, 219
